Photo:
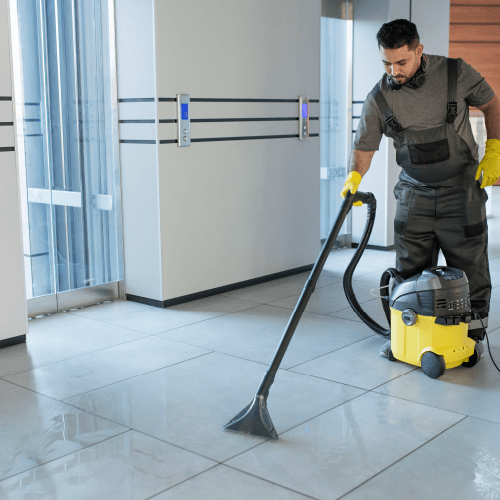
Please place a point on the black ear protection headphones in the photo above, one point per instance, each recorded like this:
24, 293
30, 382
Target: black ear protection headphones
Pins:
416, 81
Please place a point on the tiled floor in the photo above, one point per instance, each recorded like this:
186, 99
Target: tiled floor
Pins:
124, 401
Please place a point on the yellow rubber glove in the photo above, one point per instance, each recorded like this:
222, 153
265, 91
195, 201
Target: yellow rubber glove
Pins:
490, 164
352, 184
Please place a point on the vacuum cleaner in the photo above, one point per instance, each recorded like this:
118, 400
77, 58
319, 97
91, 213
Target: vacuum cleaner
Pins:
428, 316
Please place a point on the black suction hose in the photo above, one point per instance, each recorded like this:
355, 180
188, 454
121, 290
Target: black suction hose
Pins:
384, 281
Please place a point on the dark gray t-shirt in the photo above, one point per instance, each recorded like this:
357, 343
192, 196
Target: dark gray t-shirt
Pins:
425, 107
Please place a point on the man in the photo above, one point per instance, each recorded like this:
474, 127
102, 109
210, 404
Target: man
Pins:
422, 102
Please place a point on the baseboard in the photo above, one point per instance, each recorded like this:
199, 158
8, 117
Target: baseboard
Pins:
144, 300
21, 339
216, 291
374, 247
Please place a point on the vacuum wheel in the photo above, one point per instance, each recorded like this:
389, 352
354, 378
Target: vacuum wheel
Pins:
474, 359
433, 365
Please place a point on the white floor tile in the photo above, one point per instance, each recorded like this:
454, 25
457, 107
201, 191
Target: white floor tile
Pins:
88, 372
469, 391
130, 466
328, 456
372, 307
328, 299
109, 309
358, 364
263, 293
61, 336
462, 463
155, 320
35, 429
256, 333
223, 482
188, 404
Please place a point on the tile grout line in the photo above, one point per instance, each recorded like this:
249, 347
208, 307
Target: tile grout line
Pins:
68, 454
146, 336
402, 458
64, 401
145, 434
326, 354
418, 403
270, 482
183, 481
133, 376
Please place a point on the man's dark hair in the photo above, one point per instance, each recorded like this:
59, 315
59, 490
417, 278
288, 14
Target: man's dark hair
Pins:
398, 33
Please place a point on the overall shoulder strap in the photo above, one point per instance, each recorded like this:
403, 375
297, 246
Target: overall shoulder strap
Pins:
386, 111
452, 90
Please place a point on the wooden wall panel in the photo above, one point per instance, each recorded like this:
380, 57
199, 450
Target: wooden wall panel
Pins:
474, 33
475, 36
477, 3
475, 14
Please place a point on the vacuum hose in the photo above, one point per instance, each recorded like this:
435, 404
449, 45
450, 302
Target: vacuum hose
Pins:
384, 281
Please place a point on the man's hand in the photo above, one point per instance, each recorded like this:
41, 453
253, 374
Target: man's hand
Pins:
352, 184
490, 164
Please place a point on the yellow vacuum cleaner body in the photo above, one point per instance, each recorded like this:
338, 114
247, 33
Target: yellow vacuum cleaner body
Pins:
430, 313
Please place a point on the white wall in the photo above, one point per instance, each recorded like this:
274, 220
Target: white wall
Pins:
236, 210
13, 312
432, 20
139, 162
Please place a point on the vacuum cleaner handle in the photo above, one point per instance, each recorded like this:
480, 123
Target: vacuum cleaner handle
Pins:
363, 197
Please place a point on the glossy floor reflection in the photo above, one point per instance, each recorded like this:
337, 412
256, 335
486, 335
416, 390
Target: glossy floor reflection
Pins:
125, 401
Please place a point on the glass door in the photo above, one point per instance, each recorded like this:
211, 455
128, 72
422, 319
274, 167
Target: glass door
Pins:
336, 112
67, 126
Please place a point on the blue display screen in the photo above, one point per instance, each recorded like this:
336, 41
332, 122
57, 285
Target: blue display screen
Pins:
304, 110
184, 111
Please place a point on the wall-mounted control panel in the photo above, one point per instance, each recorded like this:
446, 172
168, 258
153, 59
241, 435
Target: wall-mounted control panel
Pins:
303, 118
183, 120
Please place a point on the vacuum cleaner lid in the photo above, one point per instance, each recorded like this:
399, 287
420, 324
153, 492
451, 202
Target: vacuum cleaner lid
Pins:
437, 291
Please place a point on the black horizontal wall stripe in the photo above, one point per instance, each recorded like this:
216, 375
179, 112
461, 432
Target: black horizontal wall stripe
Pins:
137, 121
32, 104
216, 99
201, 99
136, 141
5, 98
33, 135
138, 99
6, 124
219, 120
242, 138
224, 120
358, 102
6, 149
31, 119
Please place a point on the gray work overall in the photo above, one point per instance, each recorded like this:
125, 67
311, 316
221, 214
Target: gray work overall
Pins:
439, 202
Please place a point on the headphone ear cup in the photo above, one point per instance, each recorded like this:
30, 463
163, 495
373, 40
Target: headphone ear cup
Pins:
393, 83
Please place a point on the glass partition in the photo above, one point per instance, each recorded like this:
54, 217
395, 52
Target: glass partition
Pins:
66, 115
336, 112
